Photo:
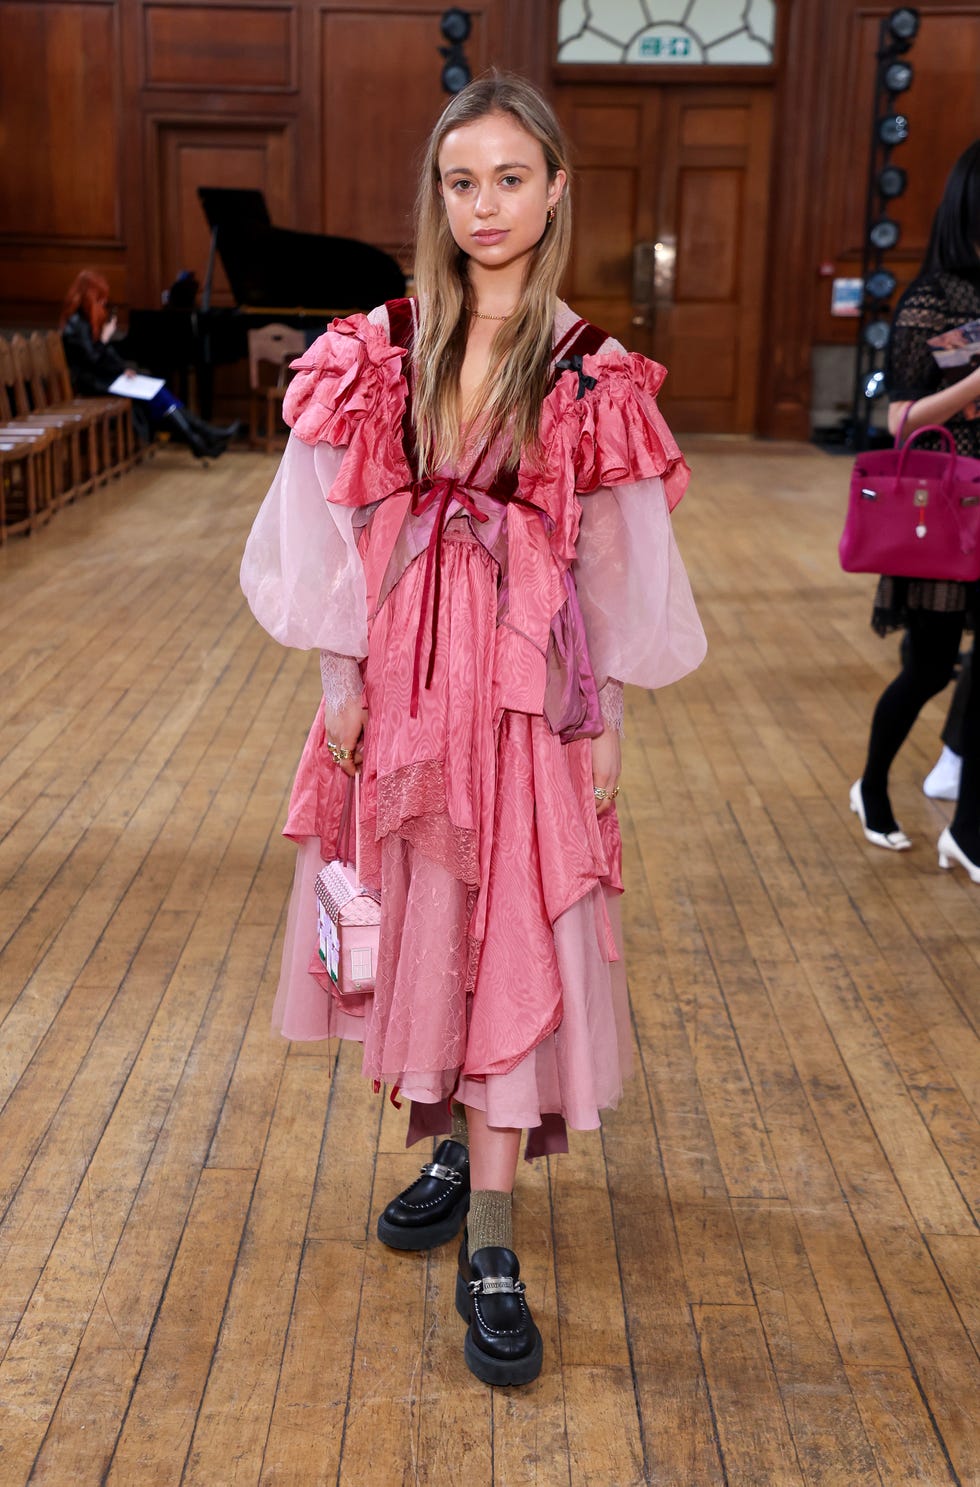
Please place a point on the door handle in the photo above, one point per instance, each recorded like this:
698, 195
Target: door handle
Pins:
644, 271
664, 269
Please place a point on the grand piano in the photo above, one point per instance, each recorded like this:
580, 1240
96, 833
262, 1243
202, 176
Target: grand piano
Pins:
301, 279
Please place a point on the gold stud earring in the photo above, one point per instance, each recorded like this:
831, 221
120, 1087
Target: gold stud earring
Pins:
551, 214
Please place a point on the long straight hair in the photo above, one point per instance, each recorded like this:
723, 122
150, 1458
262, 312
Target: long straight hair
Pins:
520, 363
956, 226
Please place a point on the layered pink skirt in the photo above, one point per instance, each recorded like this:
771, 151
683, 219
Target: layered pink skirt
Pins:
500, 979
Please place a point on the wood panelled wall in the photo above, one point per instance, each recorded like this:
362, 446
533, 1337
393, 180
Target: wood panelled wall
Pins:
115, 111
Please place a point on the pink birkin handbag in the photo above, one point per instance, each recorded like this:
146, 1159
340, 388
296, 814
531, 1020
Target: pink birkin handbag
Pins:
348, 915
914, 513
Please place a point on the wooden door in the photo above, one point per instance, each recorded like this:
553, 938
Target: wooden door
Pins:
670, 238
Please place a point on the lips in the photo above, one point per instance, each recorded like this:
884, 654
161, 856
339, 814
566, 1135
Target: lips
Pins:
490, 235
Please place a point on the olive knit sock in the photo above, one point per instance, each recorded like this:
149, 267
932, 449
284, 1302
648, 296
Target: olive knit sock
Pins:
490, 1221
459, 1131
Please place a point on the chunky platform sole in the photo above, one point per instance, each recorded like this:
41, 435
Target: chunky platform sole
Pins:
498, 1371
427, 1236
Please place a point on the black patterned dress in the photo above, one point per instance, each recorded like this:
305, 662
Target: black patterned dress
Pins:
931, 305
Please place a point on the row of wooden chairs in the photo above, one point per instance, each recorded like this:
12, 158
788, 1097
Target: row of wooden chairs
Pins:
54, 447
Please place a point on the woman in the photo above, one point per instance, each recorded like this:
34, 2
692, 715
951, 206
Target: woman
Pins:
935, 612
87, 329
476, 621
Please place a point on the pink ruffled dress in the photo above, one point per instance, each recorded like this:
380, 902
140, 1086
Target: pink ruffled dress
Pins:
500, 979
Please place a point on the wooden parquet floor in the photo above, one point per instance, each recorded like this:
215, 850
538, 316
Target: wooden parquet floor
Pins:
764, 1269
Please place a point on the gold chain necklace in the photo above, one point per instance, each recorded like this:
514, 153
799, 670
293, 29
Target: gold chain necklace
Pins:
480, 316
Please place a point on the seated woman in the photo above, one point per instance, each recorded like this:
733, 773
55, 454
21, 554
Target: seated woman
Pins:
87, 330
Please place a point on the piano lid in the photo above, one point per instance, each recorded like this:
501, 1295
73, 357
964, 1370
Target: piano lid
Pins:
275, 266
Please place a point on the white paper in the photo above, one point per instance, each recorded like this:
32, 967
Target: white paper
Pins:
143, 388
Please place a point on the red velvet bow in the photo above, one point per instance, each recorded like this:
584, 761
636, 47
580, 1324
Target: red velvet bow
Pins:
444, 490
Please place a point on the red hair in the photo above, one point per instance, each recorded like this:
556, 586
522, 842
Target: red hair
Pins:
90, 295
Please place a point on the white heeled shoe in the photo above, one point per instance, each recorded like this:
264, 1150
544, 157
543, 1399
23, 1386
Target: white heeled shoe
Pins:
950, 851
892, 841
943, 780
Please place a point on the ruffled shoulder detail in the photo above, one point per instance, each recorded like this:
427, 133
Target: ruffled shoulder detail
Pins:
349, 390
602, 427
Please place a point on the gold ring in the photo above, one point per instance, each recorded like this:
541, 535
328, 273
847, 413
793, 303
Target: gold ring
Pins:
600, 794
338, 752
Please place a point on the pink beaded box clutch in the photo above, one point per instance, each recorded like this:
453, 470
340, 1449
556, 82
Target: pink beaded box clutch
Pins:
348, 919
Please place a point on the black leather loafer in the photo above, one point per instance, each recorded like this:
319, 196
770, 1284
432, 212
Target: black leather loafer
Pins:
503, 1346
433, 1208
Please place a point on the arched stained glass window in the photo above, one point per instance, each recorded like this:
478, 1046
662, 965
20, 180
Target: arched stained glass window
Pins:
672, 31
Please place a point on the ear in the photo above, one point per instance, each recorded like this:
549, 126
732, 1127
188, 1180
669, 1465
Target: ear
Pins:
556, 188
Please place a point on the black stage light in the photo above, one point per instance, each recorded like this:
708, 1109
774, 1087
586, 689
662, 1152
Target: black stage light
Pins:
891, 182
903, 23
897, 76
881, 284
884, 234
874, 385
456, 25
456, 76
893, 128
877, 334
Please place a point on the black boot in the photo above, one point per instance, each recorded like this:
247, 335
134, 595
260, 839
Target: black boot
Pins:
432, 1209
503, 1346
180, 426
213, 433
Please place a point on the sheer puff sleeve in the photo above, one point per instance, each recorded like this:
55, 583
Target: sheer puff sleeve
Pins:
610, 444
302, 573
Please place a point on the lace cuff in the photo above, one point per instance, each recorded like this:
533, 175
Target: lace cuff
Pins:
611, 703
341, 680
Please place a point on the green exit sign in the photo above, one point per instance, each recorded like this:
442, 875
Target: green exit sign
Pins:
665, 46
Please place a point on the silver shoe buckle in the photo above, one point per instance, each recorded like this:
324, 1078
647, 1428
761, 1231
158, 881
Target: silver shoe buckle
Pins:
497, 1285
444, 1174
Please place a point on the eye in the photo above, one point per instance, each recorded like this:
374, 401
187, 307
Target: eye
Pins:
460, 185
511, 181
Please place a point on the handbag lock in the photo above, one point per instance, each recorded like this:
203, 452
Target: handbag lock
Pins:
921, 499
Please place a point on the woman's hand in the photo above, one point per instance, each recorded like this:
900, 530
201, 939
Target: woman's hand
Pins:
606, 766
346, 728
108, 330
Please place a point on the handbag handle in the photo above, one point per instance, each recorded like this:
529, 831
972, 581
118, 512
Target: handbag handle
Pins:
944, 433
352, 798
927, 428
343, 831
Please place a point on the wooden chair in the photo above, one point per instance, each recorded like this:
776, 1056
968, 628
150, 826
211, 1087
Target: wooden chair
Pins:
119, 447
39, 442
271, 345
22, 485
68, 477
45, 398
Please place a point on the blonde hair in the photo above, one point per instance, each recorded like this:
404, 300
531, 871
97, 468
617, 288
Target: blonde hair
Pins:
520, 368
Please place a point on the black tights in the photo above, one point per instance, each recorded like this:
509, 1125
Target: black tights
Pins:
930, 656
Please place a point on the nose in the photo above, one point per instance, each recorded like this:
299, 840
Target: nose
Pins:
485, 204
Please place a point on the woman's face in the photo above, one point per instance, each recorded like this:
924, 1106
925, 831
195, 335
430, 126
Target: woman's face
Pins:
494, 182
